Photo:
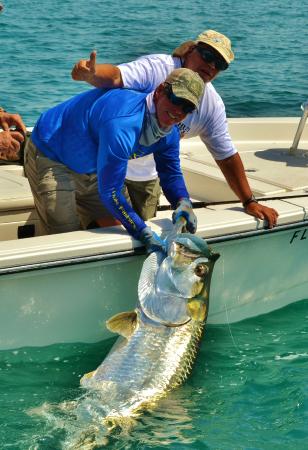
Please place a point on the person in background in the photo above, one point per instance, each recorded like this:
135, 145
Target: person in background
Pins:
76, 158
208, 55
11, 139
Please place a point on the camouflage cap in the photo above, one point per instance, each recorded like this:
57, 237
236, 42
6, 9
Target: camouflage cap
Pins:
186, 84
219, 42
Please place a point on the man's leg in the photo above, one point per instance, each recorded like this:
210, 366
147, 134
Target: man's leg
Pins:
144, 197
90, 208
53, 189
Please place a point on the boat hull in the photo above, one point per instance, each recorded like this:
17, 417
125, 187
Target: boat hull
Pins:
259, 273
69, 301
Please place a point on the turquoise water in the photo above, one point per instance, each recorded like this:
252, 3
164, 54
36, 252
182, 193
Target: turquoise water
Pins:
248, 390
41, 39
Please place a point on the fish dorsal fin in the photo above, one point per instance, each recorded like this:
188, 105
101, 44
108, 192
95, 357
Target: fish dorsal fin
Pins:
123, 323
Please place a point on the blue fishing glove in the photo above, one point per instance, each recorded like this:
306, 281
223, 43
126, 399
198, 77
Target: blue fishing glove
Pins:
152, 241
184, 209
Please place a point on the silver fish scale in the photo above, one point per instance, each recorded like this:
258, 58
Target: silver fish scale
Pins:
163, 336
154, 360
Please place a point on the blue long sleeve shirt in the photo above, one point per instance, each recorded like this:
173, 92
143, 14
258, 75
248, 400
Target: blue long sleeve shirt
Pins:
98, 131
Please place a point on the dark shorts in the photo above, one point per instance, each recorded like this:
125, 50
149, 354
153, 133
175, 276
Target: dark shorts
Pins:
143, 196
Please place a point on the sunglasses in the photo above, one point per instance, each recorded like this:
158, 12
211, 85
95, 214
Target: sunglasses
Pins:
186, 106
210, 57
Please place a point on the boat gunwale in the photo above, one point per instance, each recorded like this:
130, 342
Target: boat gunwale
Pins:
140, 251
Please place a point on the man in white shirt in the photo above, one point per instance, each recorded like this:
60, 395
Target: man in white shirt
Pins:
209, 54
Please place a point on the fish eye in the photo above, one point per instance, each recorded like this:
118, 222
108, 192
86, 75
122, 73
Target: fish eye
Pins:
201, 270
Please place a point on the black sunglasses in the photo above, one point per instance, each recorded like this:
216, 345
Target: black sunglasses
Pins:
211, 57
186, 106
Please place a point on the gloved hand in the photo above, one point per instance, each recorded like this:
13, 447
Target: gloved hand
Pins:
152, 241
184, 209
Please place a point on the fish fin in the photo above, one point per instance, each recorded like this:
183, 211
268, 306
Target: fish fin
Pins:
123, 323
87, 376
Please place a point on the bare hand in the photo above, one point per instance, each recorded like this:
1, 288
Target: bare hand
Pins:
263, 212
84, 70
8, 120
10, 145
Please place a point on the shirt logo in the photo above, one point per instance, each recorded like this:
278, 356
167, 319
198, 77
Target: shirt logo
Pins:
183, 129
138, 154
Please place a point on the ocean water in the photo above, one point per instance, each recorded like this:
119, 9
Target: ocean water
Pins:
41, 40
248, 389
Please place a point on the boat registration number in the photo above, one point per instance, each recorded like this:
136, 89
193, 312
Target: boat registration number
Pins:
299, 235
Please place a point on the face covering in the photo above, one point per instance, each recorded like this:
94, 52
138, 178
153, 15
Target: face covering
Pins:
151, 131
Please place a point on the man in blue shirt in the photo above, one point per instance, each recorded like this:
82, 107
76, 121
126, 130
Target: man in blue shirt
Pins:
96, 133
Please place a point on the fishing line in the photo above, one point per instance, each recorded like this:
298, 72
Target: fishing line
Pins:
230, 331
226, 309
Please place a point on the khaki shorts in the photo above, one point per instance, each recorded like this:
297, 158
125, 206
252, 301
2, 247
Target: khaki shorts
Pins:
143, 196
65, 200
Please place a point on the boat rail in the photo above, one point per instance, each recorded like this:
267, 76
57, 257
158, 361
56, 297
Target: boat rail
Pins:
300, 128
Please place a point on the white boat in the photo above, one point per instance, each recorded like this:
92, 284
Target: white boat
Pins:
62, 288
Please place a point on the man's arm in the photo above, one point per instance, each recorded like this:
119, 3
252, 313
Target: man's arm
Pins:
144, 74
234, 172
98, 75
216, 137
116, 140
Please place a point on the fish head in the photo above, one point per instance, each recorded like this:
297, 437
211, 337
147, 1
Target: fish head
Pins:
178, 290
194, 261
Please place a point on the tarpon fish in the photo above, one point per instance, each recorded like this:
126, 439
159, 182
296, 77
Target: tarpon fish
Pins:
156, 349
159, 339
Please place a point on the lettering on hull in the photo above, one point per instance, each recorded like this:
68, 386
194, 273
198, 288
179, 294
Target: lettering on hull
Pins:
299, 235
